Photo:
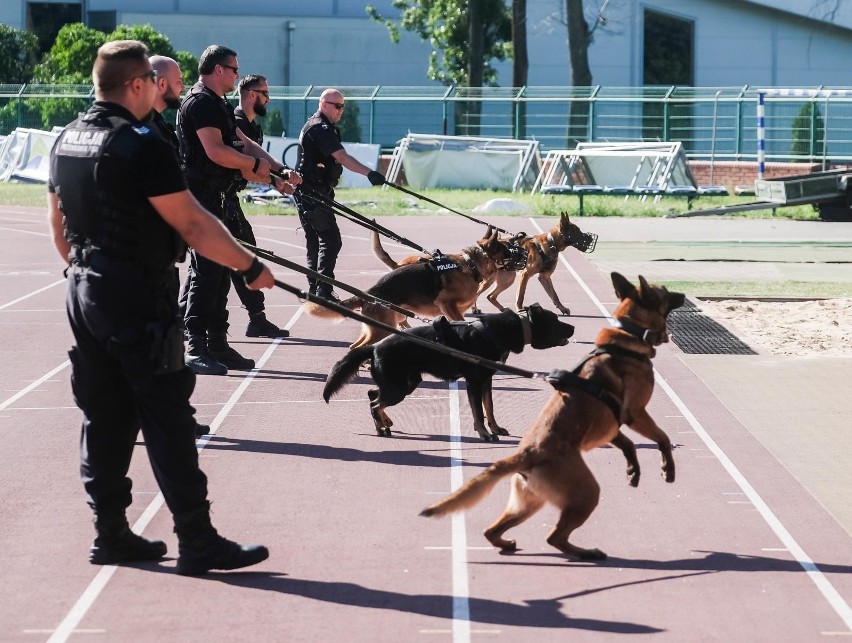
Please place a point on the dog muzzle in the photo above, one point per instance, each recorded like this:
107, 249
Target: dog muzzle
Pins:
584, 241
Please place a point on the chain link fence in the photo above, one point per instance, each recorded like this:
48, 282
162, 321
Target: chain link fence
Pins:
713, 123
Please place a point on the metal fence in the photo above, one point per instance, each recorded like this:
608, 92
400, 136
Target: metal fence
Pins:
713, 123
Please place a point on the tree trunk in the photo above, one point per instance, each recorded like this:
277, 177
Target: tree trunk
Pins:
474, 75
581, 74
520, 61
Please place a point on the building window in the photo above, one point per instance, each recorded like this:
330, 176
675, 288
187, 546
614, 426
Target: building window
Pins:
45, 19
669, 49
668, 60
102, 21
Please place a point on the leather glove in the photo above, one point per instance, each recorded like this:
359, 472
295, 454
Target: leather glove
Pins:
376, 178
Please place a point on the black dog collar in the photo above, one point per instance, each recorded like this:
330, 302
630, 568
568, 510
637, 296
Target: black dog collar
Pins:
526, 325
647, 335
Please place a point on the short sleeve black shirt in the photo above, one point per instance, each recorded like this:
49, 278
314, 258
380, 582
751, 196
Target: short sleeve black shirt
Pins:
252, 130
323, 136
201, 108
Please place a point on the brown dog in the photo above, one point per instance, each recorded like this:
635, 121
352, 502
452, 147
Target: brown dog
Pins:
445, 286
542, 257
609, 388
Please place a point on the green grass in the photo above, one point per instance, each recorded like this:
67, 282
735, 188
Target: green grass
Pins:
387, 202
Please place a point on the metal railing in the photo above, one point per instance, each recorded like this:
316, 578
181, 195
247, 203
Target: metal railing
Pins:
713, 123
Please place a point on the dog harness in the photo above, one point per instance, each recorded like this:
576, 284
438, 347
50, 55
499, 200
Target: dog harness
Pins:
563, 380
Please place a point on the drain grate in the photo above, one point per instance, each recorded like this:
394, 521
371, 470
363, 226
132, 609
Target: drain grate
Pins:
697, 334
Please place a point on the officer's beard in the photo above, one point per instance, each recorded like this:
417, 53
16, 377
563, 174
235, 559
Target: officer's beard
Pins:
172, 102
259, 109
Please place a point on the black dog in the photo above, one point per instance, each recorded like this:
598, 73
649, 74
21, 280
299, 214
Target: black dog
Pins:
397, 366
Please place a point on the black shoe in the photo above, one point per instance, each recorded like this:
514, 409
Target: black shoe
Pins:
116, 543
201, 430
232, 359
260, 326
215, 552
328, 295
205, 364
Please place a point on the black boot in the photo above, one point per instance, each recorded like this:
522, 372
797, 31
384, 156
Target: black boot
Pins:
199, 360
201, 548
260, 326
115, 543
220, 350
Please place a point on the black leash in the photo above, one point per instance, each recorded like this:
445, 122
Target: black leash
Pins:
268, 255
351, 215
441, 205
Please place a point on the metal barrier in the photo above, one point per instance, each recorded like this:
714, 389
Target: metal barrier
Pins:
713, 123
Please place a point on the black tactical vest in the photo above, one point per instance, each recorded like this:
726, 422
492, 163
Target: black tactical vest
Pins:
97, 216
315, 167
193, 158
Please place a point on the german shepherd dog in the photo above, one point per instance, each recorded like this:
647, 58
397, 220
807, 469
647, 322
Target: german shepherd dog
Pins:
397, 366
542, 252
609, 388
445, 286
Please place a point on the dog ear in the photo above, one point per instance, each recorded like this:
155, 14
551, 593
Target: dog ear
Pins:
623, 288
488, 231
676, 300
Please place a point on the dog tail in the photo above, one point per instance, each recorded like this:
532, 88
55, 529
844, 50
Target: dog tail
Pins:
318, 310
379, 251
478, 487
345, 370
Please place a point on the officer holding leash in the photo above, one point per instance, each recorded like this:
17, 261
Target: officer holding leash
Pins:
120, 213
215, 156
254, 95
321, 163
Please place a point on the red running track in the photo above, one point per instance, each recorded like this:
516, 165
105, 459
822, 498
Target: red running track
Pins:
735, 550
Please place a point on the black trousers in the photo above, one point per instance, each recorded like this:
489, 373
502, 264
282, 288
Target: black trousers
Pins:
322, 236
252, 300
113, 310
205, 291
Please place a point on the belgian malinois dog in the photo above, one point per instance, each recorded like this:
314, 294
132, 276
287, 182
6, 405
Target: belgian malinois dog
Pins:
445, 286
609, 388
542, 252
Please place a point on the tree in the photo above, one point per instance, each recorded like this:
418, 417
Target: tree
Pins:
18, 54
466, 35
520, 60
69, 62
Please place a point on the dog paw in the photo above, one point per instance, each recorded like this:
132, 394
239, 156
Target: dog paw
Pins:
565, 311
384, 432
591, 554
499, 430
633, 479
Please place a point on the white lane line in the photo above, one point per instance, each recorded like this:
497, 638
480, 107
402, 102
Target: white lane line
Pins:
461, 591
829, 592
69, 624
41, 380
40, 234
33, 293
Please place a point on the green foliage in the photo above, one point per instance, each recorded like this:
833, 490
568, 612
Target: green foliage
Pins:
71, 56
18, 52
808, 134
273, 124
350, 128
445, 25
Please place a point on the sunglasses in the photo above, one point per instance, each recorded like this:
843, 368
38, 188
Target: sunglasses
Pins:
236, 70
148, 74
260, 91
337, 105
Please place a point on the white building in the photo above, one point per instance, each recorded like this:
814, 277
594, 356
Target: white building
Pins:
333, 42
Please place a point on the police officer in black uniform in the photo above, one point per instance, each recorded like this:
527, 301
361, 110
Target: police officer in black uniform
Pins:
254, 95
215, 157
119, 214
320, 165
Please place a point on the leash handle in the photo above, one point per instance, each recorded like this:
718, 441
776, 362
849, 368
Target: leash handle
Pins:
452, 352
271, 256
441, 205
